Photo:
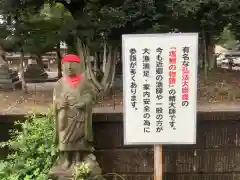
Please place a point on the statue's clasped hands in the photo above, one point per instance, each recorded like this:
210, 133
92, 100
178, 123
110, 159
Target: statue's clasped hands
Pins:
64, 104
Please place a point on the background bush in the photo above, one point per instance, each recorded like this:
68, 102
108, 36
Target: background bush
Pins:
32, 150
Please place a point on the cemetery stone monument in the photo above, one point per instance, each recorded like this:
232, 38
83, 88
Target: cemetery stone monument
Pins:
9, 79
35, 72
72, 101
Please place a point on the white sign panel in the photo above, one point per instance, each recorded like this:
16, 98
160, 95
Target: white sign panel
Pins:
160, 88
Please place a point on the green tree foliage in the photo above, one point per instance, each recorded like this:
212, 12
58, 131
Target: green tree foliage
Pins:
100, 23
32, 150
47, 29
38, 33
227, 39
208, 14
114, 18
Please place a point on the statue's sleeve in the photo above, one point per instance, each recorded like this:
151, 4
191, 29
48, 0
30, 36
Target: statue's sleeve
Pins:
90, 93
55, 111
56, 96
54, 102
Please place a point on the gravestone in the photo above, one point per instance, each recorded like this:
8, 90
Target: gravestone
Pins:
9, 79
35, 72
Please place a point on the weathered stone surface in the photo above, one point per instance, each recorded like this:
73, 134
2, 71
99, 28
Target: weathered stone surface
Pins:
9, 79
72, 101
58, 173
34, 72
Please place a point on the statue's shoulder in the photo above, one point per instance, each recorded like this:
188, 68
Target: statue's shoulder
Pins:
84, 77
59, 82
86, 81
58, 85
89, 86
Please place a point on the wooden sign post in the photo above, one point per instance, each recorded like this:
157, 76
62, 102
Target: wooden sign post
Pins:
158, 162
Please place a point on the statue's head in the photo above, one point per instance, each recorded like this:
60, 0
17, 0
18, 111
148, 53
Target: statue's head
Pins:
71, 65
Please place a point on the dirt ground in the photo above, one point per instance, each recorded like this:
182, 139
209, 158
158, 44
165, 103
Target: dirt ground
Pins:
39, 99
221, 92
221, 86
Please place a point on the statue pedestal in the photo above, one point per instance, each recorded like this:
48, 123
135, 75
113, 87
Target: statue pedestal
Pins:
9, 79
58, 173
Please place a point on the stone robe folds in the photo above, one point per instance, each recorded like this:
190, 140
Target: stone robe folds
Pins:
74, 121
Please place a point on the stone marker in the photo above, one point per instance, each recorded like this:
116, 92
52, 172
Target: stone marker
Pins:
72, 101
9, 79
34, 72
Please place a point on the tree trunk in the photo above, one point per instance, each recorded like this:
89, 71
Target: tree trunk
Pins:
205, 58
95, 66
110, 70
83, 53
109, 67
112, 80
201, 53
98, 61
39, 61
90, 72
59, 63
104, 57
98, 64
21, 71
80, 51
2, 53
210, 52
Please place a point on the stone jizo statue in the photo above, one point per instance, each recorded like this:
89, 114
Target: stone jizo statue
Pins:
73, 98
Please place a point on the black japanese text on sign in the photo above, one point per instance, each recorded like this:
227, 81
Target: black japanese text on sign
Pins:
172, 87
133, 85
146, 91
185, 76
159, 90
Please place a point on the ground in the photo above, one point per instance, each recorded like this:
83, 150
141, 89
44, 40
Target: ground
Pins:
221, 86
221, 92
39, 98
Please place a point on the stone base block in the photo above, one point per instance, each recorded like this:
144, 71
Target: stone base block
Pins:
95, 172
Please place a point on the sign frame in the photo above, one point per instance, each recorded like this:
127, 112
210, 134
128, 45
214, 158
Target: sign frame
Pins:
124, 37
